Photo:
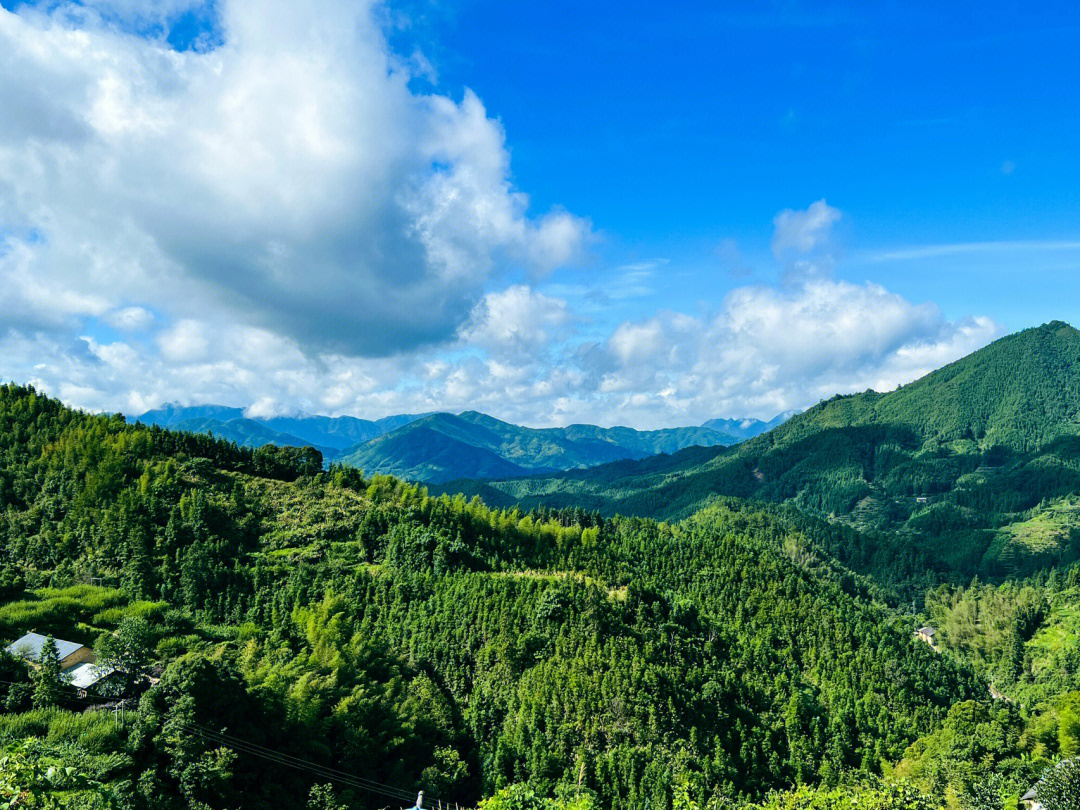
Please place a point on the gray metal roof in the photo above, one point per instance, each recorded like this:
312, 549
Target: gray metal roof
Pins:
30, 646
86, 675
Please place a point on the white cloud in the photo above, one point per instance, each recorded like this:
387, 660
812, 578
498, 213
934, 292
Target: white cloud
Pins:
281, 223
287, 179
768, 350
764, 350
517, 319
803, 241
129, 318
185, 341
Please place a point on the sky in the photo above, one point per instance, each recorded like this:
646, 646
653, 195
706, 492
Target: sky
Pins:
638, 214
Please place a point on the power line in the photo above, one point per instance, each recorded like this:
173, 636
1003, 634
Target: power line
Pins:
254, 749
301, 764
295, 762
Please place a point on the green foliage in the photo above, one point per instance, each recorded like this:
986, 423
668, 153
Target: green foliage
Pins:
522, 797
48, 687
365, 626
27, 781
1060, 787
953, 475
896, 796
128, 651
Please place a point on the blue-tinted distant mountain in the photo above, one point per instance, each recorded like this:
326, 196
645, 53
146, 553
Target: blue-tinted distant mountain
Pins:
468, 445
743, 429
330, 434
414, 452
338, 432
169, 415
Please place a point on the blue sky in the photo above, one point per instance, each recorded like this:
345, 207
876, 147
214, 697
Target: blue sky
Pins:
551, 212
675, 127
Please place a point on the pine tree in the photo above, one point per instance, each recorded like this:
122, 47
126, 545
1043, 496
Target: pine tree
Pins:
48, 688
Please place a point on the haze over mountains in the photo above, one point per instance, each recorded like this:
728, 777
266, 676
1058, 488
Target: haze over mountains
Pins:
439, 447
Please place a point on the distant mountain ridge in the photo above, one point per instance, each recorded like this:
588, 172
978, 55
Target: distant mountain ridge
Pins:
743, 429
443, 447
439, 447
330, 434
953, 459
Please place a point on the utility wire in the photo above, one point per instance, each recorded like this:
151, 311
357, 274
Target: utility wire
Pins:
254, 749
229, 738
311, 767
301, 764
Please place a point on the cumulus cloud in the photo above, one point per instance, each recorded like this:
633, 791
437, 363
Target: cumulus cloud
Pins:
282, 222
803, 241
517, 319
764, 350
288, 178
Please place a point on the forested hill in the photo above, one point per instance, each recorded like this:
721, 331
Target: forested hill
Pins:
420, 642
1020, 392
971, 461
442, 447
436, 447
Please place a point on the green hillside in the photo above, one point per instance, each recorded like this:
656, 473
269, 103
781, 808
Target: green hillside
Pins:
361, 625
472, 445
946, 461
247, 433
424, 451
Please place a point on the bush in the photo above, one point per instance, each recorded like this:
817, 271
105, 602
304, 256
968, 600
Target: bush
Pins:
1060, 787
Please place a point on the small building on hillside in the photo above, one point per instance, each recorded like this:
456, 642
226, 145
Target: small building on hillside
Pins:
88, 676
29, 648
926, 634
1029, 801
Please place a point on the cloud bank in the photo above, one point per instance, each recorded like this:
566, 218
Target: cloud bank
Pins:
281, 219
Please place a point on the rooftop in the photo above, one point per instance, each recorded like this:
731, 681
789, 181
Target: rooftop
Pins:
30, 646
86, 675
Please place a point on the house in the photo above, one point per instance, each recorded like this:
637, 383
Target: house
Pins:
87, 675
926, 634
1030, 800
921, 499
29, 648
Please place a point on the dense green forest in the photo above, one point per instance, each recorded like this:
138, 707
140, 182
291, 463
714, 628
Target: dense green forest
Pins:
442, 446
289, 635
366, 628
966, 471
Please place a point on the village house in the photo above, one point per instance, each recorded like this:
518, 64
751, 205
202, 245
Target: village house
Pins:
77, 661
29, 648
1029, 801
926, 634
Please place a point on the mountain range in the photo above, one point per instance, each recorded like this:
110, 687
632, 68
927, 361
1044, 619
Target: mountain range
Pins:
746, 626
439, 447
963, 458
